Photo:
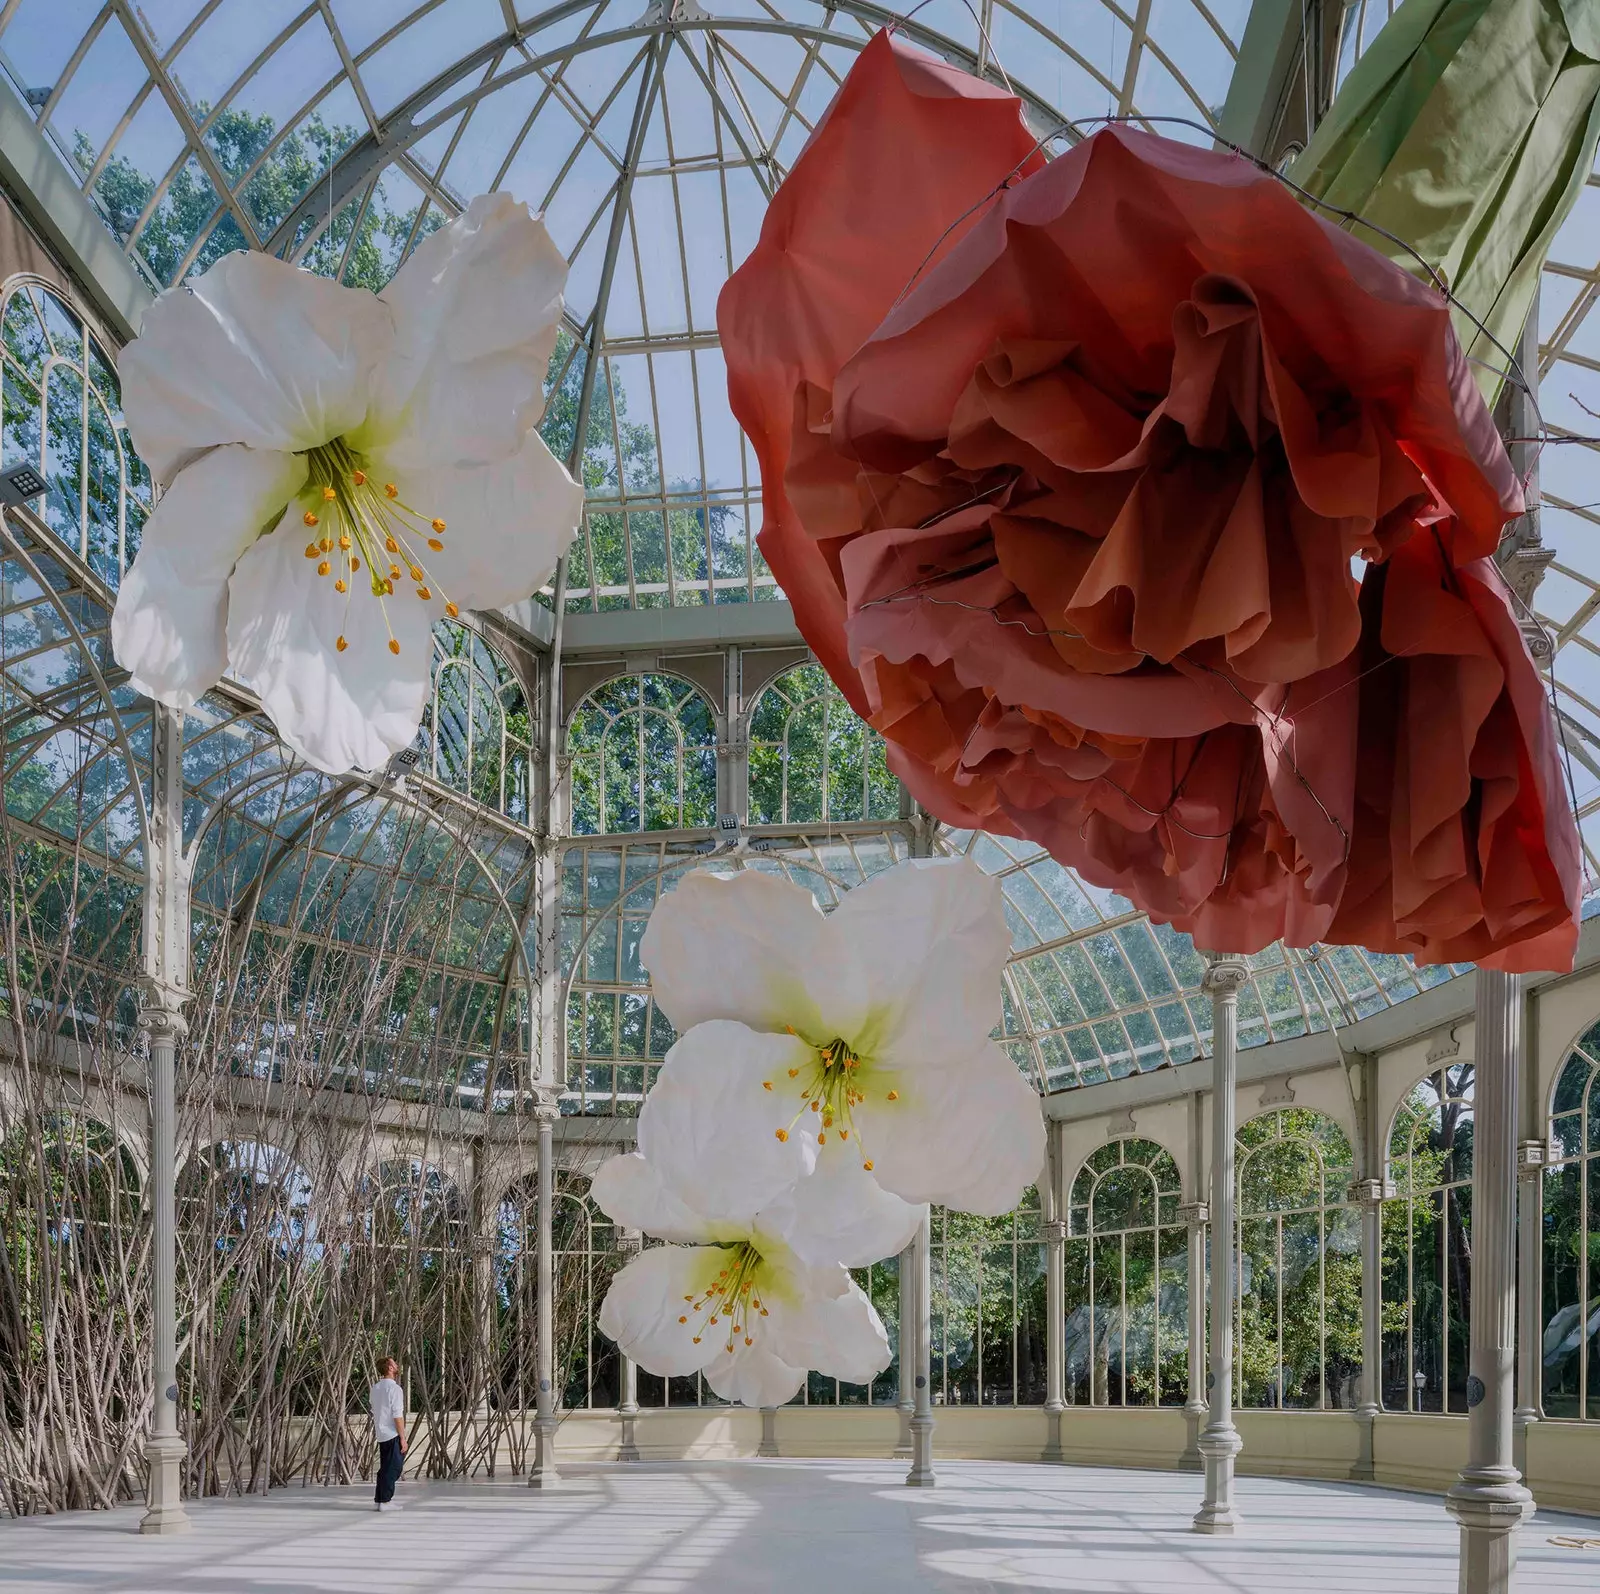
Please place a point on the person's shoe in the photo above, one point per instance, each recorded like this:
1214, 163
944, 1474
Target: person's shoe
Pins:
391, 1506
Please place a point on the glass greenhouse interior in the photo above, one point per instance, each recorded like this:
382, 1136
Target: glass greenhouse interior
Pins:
383, 995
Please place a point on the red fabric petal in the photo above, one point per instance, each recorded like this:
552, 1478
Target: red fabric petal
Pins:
1067, 498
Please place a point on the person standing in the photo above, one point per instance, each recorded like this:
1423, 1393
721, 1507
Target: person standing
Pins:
388, 1402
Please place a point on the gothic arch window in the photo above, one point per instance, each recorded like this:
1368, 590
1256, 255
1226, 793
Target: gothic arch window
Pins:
62, 407
644, 757
1427, 1248
1127, 1275
812, 759
1297, 1340
477, 731
1571, 1337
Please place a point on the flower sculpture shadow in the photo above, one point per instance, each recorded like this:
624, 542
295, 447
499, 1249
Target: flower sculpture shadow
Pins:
341, 469
1152, 518
834, 1074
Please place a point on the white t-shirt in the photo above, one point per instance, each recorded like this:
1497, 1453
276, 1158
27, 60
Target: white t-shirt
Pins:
388, 1403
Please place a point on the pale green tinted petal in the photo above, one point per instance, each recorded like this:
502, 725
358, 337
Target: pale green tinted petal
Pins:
630, 1191
841, 1214
645, 1301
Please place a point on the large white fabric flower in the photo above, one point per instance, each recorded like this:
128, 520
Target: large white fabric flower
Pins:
751, 1291
341, 469
890, 999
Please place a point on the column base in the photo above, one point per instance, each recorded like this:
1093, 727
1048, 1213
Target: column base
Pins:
164, 1510
1364, 1469
543, 1474
1052, 1445
921, 1475
769, 1432
1491, 1505
1219, 1444
1193, 1418
902, 1446
628, 1449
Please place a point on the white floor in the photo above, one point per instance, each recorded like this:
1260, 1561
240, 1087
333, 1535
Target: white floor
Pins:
789, 1527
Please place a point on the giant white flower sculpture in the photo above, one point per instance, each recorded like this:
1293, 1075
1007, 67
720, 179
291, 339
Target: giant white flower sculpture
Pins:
341, 469
751, 1291
890, 1001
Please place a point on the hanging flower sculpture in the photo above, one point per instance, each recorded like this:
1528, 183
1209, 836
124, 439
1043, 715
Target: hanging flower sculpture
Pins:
886, 1004
752, 1288
341, 470
1066, 483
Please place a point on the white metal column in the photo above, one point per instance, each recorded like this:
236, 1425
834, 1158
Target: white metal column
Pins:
1055, 1290
1220, 1443
921, 1475
166, 988
1489, 1500
630, 1242
1195, 1214
907, 1373
1530, 1285
543, 1474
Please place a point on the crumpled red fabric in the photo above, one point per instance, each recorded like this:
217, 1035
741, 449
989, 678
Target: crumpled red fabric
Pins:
1151, 518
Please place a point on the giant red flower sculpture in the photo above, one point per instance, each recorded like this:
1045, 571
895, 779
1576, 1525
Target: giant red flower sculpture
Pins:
1150, 517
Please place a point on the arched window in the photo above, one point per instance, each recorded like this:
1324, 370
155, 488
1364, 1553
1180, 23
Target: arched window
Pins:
63, 416
1571, 1340
644, 757
1127, 1266
988, 1307
812, 759
477, 734
1427, 1254
1297, 1342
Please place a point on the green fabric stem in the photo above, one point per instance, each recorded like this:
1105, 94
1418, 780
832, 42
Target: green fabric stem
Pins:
1467, 130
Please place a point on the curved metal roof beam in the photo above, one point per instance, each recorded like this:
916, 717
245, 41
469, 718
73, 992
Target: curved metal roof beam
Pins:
371, 154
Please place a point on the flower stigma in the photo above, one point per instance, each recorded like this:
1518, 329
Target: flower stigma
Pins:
369, 523
732, 1296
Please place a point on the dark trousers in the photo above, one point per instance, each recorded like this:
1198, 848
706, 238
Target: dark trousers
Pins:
390, 1462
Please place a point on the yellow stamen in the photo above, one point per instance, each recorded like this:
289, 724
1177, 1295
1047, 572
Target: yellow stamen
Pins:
342, 644
867, 1164
324, 568
683, 1319
435, 544
344, 542
438, 525
766, 1084
451, 610
391, 489
312, 550
328, 495
794, 1073
413, 572
391, 545
894, 1095
783, 1134
339, 585
359, 478
822, 1140
310, 517
424, 593
326, 545
355, 562
394, 647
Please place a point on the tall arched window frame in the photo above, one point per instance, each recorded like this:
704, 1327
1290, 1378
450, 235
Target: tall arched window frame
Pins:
62, 414
1570, 1342
1127, 1280
988, 1306
1297, 1335
812, 759
643, 752
477, 730
1427, 1248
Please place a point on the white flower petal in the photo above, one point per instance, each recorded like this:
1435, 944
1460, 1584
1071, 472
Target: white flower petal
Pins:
711, 1127
839, 1335
169, 628
254, 351
645, 1301
738, 946
476, 309
338, 710
631, 1192
753, 1376
506, 524
917, 962
968, 1135
841, 1214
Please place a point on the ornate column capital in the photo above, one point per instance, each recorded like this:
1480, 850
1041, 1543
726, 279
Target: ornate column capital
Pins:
1224, 976
546, 1106
1195, 1213
161, 1011
1055, 1231
1532, 1155
630, 1242
1370, 1192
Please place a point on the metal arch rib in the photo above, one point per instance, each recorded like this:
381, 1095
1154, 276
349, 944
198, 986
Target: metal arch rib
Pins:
372, 153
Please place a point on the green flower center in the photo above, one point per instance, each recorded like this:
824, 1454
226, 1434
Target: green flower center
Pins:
362, 526
832, 1086
731, 1303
